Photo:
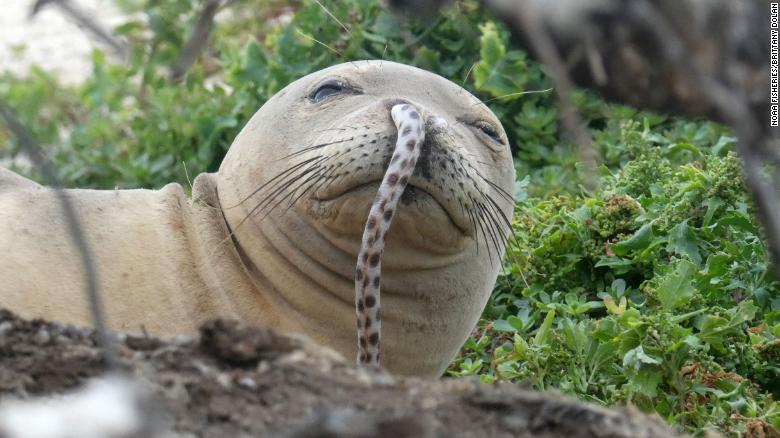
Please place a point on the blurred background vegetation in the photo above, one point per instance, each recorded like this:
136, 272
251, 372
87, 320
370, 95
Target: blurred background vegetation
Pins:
655, 290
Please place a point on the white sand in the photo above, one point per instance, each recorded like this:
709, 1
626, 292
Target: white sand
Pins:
50, 39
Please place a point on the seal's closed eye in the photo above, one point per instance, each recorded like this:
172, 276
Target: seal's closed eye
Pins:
490, 131
328, 88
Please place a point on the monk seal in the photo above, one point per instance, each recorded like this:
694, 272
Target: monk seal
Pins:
273, 236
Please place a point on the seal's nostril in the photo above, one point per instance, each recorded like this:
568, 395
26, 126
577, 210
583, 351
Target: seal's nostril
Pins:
438, 122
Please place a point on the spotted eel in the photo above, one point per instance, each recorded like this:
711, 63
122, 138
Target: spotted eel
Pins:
411, 134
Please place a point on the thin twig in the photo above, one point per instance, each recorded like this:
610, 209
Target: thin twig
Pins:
520, 93
466, 78
82, 19
318, 42
529, 20
198, 40
35, 153
332, 16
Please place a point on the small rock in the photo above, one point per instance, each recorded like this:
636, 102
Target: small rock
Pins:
247, 382
42, 337
225, 380
5, 327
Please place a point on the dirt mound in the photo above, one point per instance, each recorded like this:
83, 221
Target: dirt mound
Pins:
239, 381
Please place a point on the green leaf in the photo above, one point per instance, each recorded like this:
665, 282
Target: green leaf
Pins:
575, 335
679, 147
676, 288
602, 355
499, 72
740, 221
520, 347
502, 325
646, 382
521, 189
636, 357
639, 240
631, 318
613, 308
618, 287
724, 143
717, 264
713, 329
517, 323
543, 333
744, 312
712, 206
617, 264
682, 240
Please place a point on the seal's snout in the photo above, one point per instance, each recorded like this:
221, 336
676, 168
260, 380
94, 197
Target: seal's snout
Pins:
390, 103
434, 123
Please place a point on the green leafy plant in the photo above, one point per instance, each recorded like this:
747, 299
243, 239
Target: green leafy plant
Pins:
654, 291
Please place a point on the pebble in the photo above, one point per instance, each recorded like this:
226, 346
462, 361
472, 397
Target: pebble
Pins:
42, 337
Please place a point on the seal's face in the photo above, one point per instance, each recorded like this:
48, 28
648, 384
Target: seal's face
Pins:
305, 170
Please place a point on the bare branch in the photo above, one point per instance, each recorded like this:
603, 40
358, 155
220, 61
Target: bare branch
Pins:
198, 40
82, 19
556, 69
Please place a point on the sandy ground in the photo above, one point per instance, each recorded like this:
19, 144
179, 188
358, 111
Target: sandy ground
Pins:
51, 39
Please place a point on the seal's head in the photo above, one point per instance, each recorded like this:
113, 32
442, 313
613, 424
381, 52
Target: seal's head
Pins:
297, 184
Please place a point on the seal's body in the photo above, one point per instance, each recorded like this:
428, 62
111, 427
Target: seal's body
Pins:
272, 238
157, 255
